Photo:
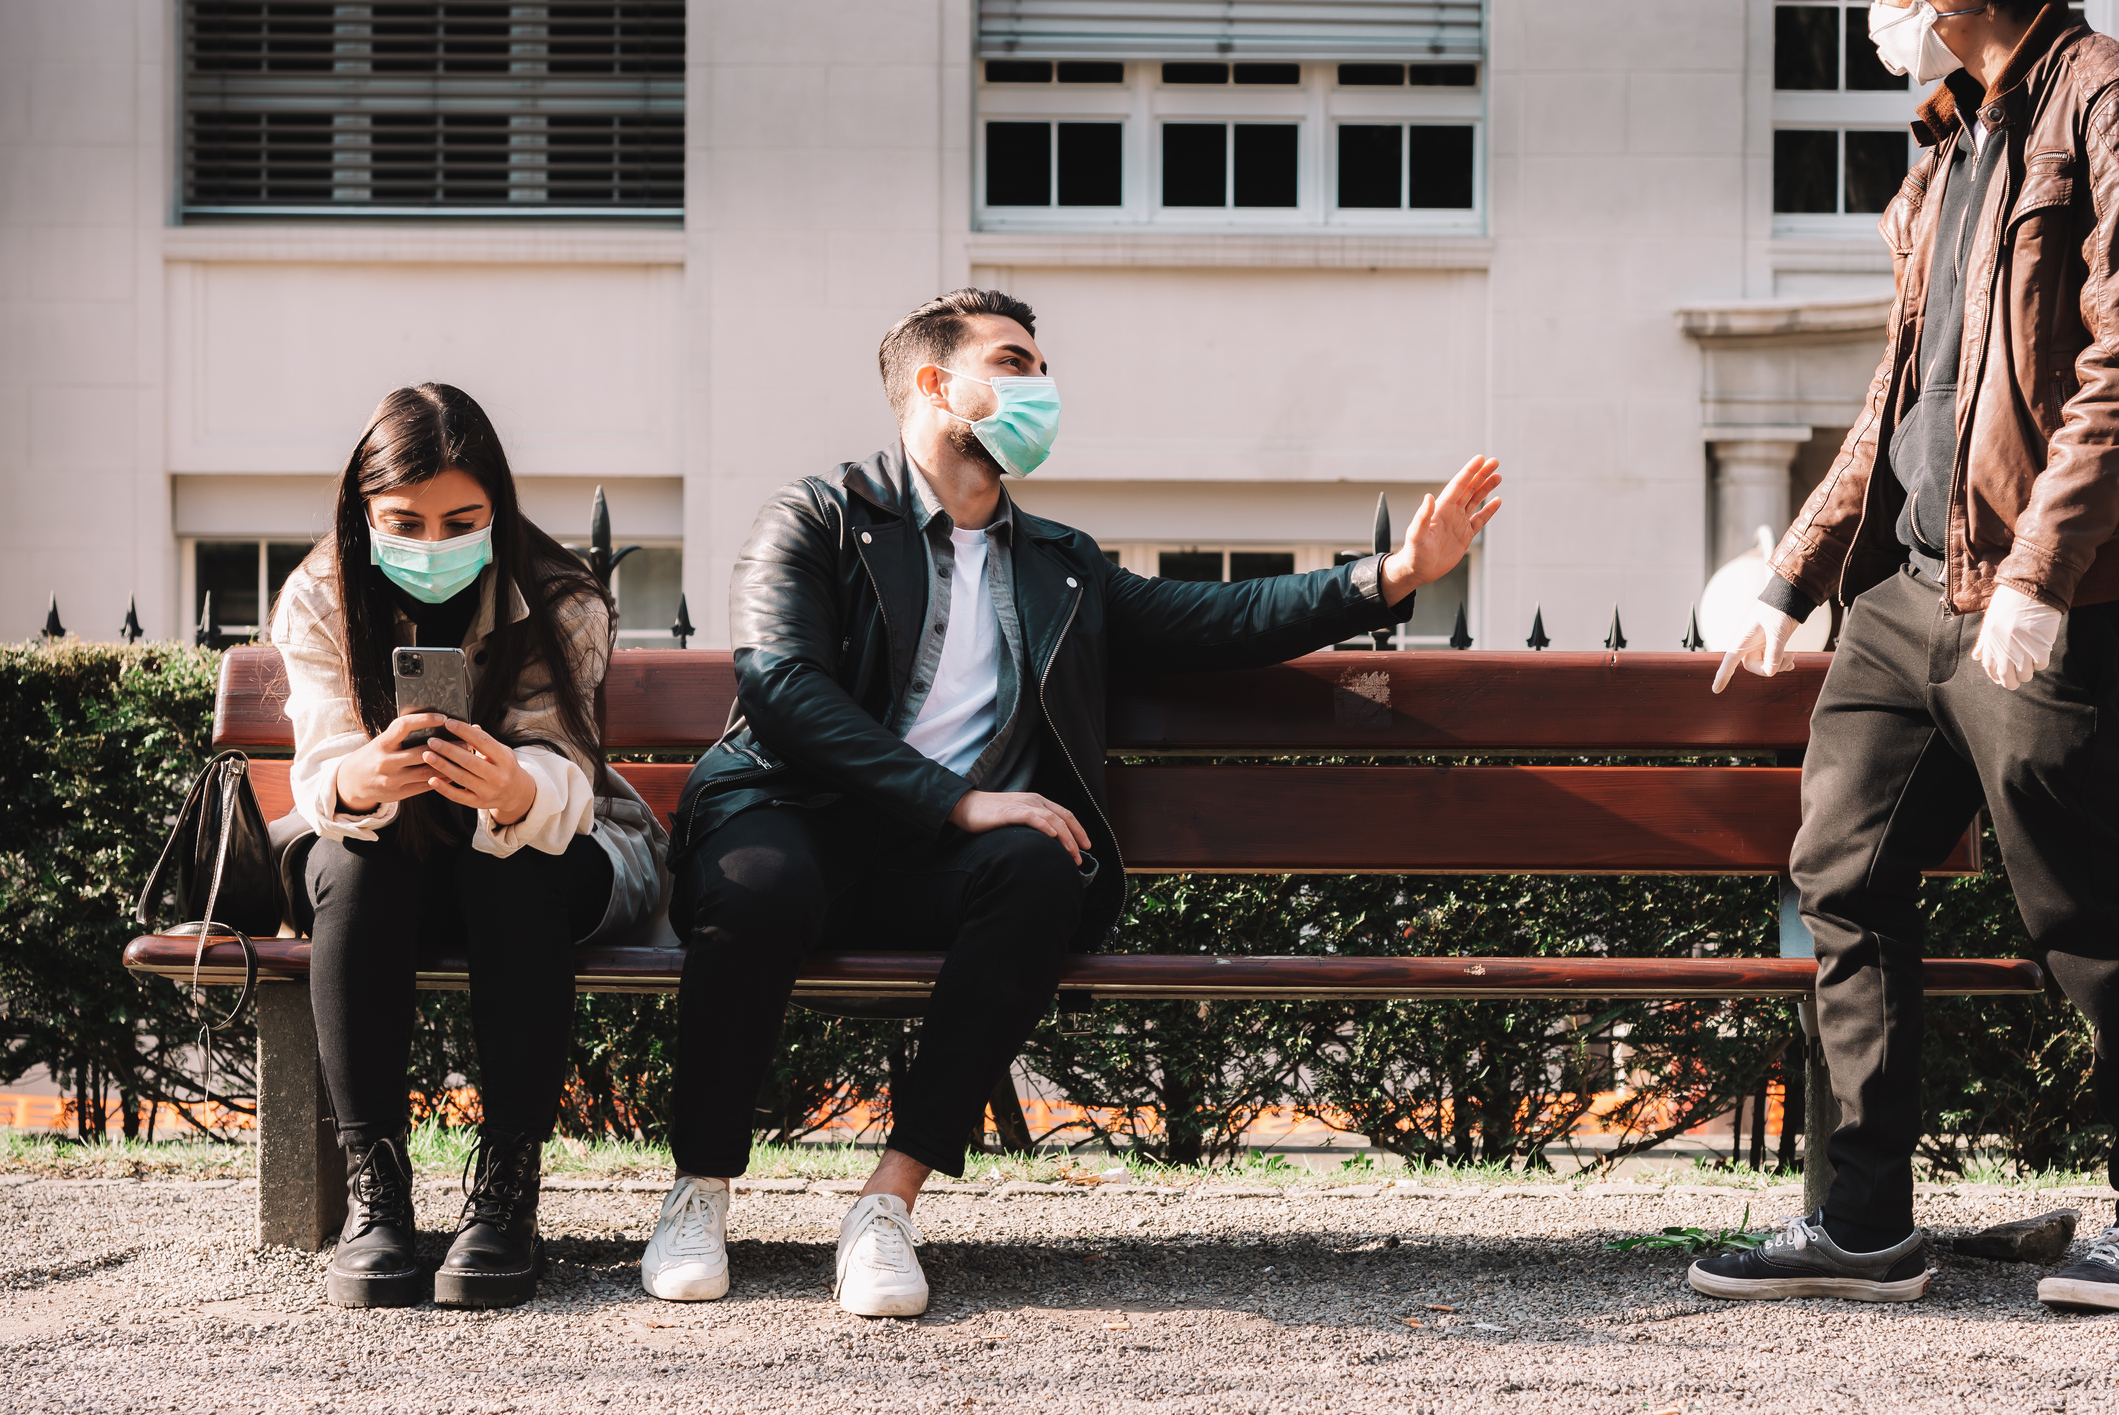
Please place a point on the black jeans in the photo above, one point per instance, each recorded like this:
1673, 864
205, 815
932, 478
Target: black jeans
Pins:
776, 882
369, 908
1908, 739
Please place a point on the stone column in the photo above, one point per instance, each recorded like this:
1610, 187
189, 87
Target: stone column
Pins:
301, 1177
1751, 484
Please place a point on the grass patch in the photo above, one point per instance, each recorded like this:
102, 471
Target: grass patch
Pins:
1990, 1171
57, 1157
439, 1151
1698, 1240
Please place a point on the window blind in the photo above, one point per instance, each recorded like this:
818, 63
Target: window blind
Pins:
307, 108
1264, 29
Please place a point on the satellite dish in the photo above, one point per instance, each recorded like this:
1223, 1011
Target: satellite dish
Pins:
1729, 603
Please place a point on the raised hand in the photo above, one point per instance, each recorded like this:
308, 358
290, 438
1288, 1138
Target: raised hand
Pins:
1442, 529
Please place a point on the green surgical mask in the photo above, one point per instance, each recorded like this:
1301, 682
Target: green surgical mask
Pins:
431, 571
1020, 432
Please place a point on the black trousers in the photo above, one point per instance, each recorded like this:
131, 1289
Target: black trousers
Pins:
1908, 739
369, 908
777, 882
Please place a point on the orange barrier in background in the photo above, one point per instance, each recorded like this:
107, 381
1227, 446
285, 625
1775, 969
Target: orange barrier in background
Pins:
1274, 1127
168, 1121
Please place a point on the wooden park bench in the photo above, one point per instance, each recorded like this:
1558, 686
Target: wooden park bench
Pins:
1181, 814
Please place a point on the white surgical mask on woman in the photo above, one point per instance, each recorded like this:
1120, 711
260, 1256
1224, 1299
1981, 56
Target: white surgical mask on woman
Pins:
1906, 41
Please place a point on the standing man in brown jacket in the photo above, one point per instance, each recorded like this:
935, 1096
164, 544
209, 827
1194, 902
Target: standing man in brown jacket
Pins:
1968, 527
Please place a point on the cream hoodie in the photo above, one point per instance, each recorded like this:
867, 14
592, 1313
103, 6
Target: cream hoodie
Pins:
309, 630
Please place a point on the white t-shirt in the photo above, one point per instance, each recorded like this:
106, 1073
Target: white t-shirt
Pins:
957, 719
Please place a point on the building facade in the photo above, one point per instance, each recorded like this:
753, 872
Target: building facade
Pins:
1284, 257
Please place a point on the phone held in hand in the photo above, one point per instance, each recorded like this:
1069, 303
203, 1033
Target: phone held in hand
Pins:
431, 680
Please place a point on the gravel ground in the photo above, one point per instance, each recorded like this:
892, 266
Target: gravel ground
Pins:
139, 1296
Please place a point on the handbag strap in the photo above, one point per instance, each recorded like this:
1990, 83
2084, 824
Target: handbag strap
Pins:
194, 801
232, 770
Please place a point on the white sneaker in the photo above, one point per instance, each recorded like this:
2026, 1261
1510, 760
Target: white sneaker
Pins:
878, 1274
687, 1259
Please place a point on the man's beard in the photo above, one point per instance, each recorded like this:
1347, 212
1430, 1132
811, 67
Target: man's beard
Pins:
966, 441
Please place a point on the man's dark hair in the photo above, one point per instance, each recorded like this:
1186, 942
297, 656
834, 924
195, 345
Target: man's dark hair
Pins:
934, 332
2015, 9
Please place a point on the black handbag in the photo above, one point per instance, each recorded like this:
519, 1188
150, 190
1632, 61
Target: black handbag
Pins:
227, 875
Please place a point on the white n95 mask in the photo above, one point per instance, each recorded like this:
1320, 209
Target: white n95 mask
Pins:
1906, 41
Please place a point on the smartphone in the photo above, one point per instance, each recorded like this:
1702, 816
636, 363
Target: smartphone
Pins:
431, 680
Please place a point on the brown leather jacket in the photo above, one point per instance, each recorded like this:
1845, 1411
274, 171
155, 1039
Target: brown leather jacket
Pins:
2034, 495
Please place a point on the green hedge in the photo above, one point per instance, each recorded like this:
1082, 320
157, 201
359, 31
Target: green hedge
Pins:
100, 742
97, 746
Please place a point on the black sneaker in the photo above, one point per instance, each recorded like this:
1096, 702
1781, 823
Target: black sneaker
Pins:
2092, 1282
1803, 1261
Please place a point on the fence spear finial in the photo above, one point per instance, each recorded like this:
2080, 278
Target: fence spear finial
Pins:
53, 629
1537, 639
1615, 637
1461, 636
1692, 642
602, 562
682, 629
130, 631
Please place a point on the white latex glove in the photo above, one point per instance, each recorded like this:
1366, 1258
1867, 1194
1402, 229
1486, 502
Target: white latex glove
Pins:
1763, 649
2017, 638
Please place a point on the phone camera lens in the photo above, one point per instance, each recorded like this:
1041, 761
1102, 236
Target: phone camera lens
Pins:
411, 665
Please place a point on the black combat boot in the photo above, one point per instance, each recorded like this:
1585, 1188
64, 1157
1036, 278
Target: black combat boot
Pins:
497, 1257
374, 1266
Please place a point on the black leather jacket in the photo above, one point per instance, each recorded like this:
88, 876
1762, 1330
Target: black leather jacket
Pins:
827, 600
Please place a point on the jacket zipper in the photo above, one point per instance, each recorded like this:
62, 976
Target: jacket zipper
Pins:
876, 588
1046, 708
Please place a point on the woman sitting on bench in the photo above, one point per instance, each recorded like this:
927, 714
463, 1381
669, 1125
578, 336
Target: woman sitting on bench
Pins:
504, 833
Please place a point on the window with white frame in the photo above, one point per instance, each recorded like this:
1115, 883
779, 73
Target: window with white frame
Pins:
1842, 136
646, 586
243, 577
1434, 611
1256, 116
1841, 121
470, 107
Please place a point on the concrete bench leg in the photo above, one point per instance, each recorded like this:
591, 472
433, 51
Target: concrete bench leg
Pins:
1820, 1114
301, 1177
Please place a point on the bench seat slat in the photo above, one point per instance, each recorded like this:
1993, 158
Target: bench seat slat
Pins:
1144, 976
1412, 819
675, 700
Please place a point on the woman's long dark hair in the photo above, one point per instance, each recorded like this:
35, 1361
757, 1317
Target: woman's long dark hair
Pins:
414, 435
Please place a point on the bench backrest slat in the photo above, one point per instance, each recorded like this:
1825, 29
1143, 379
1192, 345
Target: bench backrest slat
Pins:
675, 700
1412, 820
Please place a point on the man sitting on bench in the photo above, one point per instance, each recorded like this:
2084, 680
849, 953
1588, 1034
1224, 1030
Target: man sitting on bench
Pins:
917, 762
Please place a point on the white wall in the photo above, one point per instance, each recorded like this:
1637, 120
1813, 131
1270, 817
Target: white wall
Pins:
83, 506
826, 149
275, 366
828, 190
1618, 170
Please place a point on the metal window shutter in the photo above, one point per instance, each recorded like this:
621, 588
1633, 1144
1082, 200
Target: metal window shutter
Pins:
297, 106
1231, 29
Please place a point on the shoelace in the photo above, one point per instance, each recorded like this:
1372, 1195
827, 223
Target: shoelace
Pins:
896, 1236
493, 1197
385, 1198
695, 1224
2106, 1249
1794, 1233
